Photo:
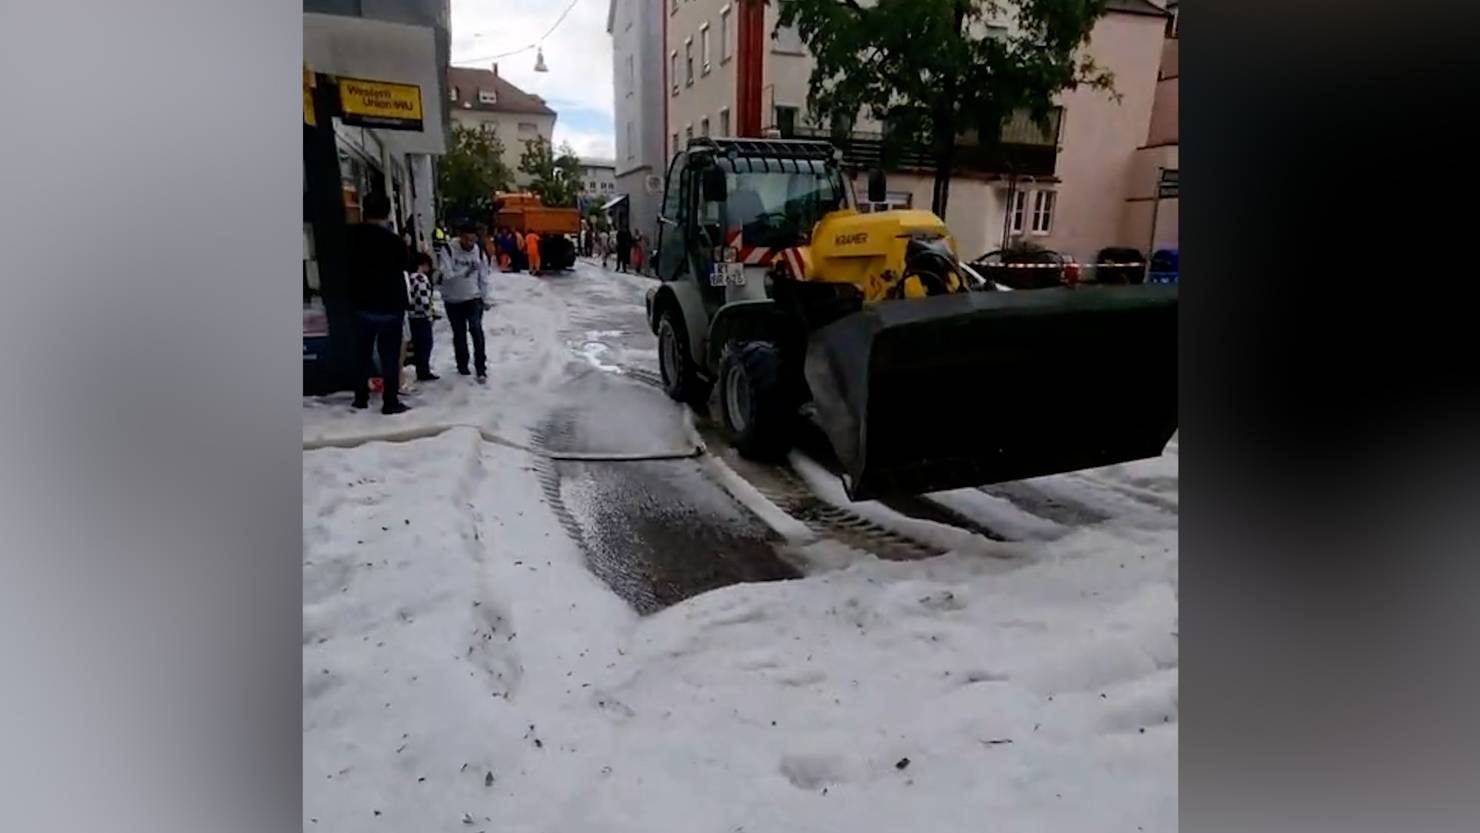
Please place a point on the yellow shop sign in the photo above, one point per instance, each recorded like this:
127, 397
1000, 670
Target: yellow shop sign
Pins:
380, 104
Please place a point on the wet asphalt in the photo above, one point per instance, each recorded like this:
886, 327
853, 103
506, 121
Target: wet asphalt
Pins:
656, 532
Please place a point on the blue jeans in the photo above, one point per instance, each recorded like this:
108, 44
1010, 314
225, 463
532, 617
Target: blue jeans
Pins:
421, 345
377, 333
466, 316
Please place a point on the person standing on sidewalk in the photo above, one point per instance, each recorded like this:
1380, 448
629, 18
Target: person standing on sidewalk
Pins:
624, 249
419, 315
377, 299
464, 270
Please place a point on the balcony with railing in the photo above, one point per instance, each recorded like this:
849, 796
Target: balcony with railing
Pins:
1022, 147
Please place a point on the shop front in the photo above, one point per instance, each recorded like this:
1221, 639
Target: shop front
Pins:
372, 121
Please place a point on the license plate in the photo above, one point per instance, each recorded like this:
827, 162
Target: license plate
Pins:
722, 274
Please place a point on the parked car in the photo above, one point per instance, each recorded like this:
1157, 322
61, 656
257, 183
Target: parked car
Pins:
1120, 265
1027, 267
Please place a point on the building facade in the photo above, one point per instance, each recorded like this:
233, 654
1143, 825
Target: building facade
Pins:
636, 28
481, 98
598, 181
373, 120
729, 71
1150, 219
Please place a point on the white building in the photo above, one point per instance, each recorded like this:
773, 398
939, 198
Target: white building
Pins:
598, 180
479, 97
636, 29
729, 72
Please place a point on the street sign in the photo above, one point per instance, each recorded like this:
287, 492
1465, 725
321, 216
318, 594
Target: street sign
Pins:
380, 104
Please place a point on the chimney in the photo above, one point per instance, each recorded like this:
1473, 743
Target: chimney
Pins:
495, 69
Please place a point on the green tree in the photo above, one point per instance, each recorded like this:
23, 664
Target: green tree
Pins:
556, 178
471, 170
933, 70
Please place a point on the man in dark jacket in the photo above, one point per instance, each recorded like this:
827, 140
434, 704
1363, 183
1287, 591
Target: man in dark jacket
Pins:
624, 249
377, 298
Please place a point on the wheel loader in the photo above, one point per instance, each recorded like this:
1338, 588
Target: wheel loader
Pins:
922, 375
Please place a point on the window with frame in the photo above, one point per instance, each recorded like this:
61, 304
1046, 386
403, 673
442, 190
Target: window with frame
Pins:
674, 8
688, 62
452, 93
1043, 212
724, 121
631, 145
704, 48
688, 133
725, 49
673, 68
487, 96
704, 126
631, 74
675, 144
1019, 209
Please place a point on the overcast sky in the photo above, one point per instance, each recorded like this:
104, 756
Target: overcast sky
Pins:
578, 53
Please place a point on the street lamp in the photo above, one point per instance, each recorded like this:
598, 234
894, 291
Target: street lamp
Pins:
539, 60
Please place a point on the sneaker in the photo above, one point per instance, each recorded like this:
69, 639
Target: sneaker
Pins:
360, 404
395, 408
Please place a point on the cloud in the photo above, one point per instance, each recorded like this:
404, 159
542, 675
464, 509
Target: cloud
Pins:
578, 54
594, 144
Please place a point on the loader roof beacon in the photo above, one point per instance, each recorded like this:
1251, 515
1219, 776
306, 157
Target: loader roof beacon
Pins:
922, 375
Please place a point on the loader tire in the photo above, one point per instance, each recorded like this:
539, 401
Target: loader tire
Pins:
680, 375
758, 407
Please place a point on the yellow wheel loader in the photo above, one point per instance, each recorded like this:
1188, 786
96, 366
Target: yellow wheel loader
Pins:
922, 375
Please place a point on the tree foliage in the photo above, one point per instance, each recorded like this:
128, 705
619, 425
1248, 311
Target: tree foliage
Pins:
931, 70
471, 170
556, 177
598, 219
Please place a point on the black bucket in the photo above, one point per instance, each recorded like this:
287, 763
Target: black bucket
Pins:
983, 387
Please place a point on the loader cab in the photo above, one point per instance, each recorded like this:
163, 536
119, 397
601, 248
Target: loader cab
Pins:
740, 202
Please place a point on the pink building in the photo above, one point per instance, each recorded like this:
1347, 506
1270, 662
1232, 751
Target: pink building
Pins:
1110, 148
1080, 186
1150, 218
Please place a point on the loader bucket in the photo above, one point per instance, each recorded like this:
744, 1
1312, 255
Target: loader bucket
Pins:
982, 387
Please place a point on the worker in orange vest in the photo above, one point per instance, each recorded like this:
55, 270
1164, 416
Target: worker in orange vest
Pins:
532, 251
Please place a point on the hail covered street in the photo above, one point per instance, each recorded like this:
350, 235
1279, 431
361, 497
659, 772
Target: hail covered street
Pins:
560, 601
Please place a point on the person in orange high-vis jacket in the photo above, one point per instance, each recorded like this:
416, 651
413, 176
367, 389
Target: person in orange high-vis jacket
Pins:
532, 252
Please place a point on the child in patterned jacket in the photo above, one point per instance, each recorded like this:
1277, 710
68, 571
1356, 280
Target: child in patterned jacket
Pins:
419, 316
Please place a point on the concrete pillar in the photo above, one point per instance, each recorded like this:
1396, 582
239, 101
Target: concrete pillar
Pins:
422, 185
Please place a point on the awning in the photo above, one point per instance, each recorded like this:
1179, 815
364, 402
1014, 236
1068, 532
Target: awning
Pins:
391, 53
613, 202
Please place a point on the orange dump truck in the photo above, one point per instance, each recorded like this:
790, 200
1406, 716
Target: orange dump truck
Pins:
524, 212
